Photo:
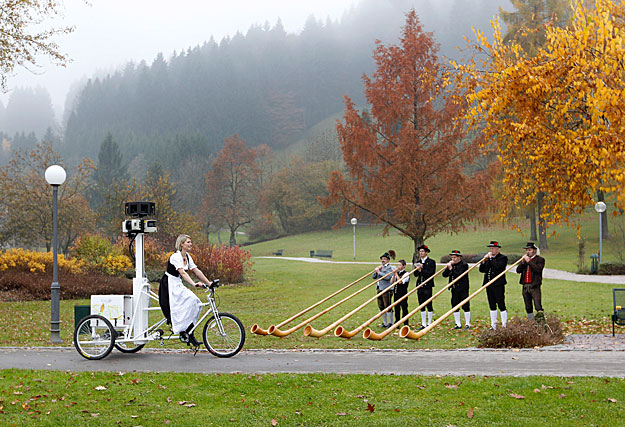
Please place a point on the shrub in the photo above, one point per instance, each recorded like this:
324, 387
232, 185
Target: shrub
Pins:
155, 255
100, 255
230, 264
611, 268
24, 285
37, 262
524, 333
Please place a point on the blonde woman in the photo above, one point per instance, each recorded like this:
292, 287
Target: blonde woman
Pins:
184, 305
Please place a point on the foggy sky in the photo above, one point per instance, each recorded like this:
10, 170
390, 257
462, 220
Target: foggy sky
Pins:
109, 33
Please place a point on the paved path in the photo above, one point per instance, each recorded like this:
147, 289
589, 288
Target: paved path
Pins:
601, 356
548, 273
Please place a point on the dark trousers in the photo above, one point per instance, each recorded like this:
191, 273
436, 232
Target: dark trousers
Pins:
532, 294
496, 297
384, 300
457, 296
401, 307
423, 295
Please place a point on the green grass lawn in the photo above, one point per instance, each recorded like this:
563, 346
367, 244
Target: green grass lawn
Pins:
282, 288
370, 243
65, 398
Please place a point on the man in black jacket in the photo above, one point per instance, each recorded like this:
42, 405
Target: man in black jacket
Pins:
494, 265
401, 289
426, 267
460, 289
531, 270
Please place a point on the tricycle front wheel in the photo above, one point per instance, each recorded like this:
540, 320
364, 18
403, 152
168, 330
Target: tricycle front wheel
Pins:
230, 342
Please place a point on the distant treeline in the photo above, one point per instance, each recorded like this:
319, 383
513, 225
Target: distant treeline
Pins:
267, 86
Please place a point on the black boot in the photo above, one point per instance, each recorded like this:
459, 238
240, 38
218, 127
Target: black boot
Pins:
193, 342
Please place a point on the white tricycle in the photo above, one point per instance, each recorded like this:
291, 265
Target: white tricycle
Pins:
122, 321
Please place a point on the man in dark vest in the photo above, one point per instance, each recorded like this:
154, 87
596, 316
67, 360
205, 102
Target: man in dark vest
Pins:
460, 289
425, 268
492, 266
531, 270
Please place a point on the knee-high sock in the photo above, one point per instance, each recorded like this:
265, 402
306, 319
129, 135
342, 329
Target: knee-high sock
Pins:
493, 319
504, 318
423, 318
457, 318
430, 316
467, 318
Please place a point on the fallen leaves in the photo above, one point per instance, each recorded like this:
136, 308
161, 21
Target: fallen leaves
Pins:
370, 407
517, 396
470, 414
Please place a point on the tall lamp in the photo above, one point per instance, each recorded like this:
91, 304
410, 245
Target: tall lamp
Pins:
55, 176
354, 221
600, 207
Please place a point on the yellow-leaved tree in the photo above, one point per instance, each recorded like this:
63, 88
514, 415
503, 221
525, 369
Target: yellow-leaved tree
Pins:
556, 119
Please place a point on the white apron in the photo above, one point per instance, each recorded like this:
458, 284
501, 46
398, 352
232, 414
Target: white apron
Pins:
183, 303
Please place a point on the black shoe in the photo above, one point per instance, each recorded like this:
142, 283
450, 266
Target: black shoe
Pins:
194, 342
421, 327
467, 327
457, 327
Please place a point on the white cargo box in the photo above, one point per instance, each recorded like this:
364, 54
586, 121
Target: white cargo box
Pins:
116, 308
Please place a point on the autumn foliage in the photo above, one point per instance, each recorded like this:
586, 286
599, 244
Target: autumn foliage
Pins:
408, 158
556, 119
230, 264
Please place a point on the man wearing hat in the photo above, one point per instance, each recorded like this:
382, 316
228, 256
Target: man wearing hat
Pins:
460, 289
531, 270
384, 298
425, 268
492, 266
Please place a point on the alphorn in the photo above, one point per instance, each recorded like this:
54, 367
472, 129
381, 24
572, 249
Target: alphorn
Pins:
341, 332
309, 331
273, 330
405, 332
372, 335
255, 329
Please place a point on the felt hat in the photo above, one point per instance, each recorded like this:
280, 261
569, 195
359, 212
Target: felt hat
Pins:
455, 252
424, 247
530, 245
494, 244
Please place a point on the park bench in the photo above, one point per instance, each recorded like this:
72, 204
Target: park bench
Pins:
618, 318
321, 253
279, 252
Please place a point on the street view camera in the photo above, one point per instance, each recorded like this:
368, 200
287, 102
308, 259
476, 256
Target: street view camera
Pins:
138, 211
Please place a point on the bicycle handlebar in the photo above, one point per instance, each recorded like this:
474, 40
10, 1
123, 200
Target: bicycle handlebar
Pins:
212, 285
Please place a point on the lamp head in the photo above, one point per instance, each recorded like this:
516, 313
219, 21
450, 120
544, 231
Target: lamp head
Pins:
600, 207
354, 221
55, 175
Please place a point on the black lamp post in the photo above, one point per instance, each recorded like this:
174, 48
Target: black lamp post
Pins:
55, 176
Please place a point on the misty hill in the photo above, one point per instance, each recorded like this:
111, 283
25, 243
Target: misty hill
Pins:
266, 85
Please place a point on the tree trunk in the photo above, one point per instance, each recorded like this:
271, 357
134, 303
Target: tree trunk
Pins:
542, 227
604, 217
532, 217
233, 239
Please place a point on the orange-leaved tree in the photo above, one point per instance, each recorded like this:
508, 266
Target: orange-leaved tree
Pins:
408, 159
556, 119
233, 186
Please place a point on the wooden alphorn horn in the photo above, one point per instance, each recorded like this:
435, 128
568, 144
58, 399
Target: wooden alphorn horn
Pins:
273, 330
309, 331
255, 329
405, 332
341, 332
372, 335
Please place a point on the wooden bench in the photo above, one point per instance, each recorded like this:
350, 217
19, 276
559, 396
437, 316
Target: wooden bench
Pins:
321, 253
279, 252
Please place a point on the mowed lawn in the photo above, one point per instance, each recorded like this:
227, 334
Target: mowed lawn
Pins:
280, 288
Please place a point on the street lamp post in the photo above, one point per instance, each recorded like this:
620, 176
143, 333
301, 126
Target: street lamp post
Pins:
600, 207
354, 221
55, 176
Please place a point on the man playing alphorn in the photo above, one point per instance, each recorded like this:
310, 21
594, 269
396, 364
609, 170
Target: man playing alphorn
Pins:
460, 289
496, 292
425, 267
531, 269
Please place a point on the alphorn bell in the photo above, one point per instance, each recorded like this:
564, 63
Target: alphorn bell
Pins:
405, 332
273, 330
255, 329
309, 331
341, 332
370, 334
